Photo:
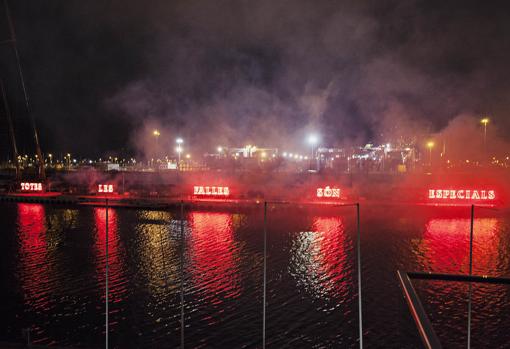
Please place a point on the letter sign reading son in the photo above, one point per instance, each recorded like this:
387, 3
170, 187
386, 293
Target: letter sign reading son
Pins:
462, 194
105, 188
328, 192
199, 190
31, 186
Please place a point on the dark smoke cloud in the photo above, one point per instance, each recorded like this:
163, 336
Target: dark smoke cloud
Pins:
266, 72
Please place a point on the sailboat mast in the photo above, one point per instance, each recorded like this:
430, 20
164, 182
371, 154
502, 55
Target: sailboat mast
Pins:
42, 172
11, 129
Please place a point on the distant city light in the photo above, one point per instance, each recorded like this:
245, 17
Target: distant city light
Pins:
179, 141
313, 139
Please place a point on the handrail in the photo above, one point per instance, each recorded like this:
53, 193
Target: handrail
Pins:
427, 333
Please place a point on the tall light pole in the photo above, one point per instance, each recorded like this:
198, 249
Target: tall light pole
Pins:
156, 134
179, 142
485, 121
313, 139
430, 145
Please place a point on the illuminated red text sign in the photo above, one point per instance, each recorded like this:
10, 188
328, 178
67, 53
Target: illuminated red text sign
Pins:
466, 194
328, 192
105, 188
211, 191
31, 186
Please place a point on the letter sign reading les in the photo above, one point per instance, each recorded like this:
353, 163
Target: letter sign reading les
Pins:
105, 188
31, 186
199, 190
328, 192
462, 194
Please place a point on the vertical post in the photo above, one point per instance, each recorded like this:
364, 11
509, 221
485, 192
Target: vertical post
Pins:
359, 276
485, 136
470, 273
106, 272
311, 158
182, 274
265, 279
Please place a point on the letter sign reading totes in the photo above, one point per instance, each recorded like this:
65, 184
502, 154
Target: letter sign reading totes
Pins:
31, 186
199, 190
328, 192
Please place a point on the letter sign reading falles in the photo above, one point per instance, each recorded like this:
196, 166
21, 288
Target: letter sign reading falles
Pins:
462, 194
199, 190
328, 192
31, 186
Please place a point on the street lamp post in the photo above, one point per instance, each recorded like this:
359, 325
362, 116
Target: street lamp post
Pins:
156, 134
179, 142
430, 145
485, 121
312, 140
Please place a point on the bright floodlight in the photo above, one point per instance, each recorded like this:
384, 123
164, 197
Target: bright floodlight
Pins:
430, 144
156, 133
313, 139
220, 149
179, 141
485, 121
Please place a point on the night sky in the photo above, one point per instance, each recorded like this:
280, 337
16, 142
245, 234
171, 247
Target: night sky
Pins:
102, 74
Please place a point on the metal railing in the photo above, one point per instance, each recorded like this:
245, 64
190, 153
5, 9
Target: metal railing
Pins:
358, 263
264, 300
427, 333
421, 319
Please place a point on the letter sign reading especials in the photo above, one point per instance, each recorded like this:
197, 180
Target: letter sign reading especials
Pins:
462, 194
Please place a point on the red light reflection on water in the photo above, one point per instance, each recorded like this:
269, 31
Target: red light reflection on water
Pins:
33, 254
212, 250
445, 245
320, 258
116, 280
